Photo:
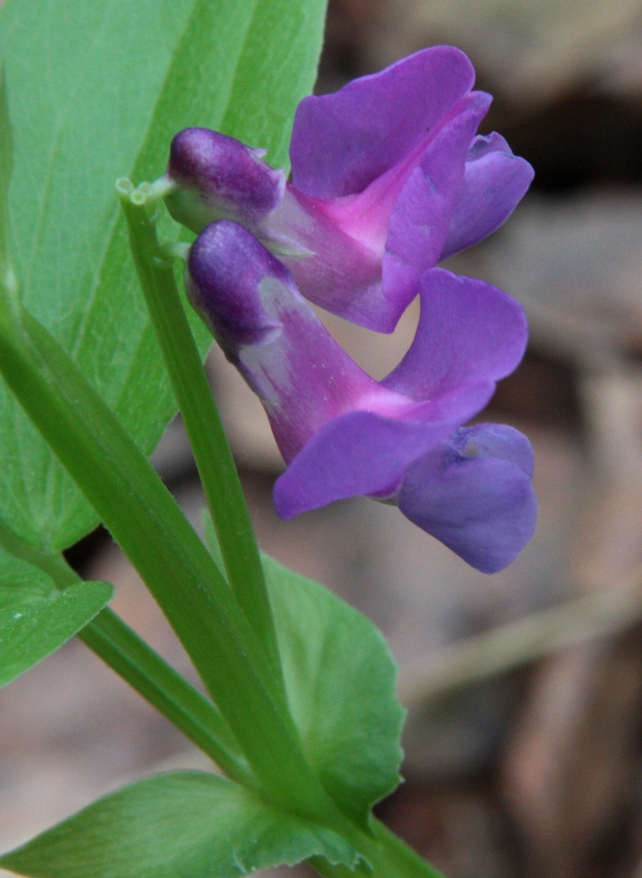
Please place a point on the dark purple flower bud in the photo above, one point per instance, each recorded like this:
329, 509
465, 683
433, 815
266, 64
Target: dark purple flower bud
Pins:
388, 178
343, 434
225, 291
219, 177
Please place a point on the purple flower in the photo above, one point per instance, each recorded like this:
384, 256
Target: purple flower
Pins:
343, 434
388, 178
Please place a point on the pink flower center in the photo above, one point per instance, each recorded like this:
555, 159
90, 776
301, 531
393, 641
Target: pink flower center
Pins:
366, 215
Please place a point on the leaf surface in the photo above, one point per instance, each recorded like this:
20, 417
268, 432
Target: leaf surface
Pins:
340, 677
96, 91
182, 825
36, 618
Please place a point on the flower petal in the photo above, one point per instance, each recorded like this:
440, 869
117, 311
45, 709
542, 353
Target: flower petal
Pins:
483, 508
494, 182
344, 275
496, 440
469, 332
341, 142
339, 273
420, 220
368, 451
358, 453
249, 300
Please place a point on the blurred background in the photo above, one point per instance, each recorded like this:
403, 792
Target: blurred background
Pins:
524, 689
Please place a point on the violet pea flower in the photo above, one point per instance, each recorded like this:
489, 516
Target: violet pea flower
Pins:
344, 434
388, 178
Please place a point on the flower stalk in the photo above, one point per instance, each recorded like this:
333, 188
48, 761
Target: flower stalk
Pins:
140, 666
183, 705
210, 447
153, 532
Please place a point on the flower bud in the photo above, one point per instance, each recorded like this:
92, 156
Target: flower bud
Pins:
218, 177
225, 267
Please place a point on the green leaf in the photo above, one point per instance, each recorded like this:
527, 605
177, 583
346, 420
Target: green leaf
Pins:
36, 618
6, 164
340, 677
96, 91
186, 824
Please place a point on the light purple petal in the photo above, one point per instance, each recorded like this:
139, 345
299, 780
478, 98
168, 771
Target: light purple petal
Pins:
357, 453
367, 452
420, 220
459, 404
343, 141
494, 182
469, 332
483, 508
495, 440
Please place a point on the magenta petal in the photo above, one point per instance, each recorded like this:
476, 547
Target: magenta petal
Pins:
357, 453
494, 182
340, 274
483, 508
469, 332
341, 142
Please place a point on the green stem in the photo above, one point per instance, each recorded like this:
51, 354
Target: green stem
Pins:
124, 651
388, 855
211, 450
137, 663
399, 859
68, 420
121, 648
153, 532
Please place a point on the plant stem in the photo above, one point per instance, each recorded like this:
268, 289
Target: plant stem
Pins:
211, 450
140, 666
399, 859
388, 855
195, 715
153, 532
144, 518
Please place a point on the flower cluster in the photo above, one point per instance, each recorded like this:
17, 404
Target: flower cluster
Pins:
388, 178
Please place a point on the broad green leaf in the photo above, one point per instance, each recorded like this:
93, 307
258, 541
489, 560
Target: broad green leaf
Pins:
6, 164
36, 618
182, 825
340, 678
96, 91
